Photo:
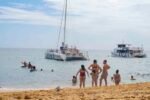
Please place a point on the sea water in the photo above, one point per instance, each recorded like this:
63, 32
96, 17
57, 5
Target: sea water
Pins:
12, 75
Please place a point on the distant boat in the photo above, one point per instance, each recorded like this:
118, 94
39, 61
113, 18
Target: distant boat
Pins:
64, 53
128, 51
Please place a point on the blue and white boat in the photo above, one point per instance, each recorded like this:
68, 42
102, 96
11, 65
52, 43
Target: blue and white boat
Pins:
128, 51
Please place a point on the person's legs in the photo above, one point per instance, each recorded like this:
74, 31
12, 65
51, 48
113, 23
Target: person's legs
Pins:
96, 82
92, 80
96, 78
80, 82
105, 81
117, 82
100, 83
84, 82
105, 78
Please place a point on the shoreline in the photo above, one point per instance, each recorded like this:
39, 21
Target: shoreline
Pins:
6, 89
137, 91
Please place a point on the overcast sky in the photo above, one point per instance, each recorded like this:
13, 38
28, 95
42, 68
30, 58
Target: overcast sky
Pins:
91, 24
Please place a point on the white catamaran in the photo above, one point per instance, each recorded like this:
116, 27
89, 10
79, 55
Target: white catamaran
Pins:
64, 53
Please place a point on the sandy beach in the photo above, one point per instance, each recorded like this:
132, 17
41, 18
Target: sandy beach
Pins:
138, 91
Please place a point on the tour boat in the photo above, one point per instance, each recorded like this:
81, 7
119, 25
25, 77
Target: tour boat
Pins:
126, 50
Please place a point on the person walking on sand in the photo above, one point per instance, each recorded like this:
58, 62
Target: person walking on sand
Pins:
104, 72
82, 72
95, 70
117, 77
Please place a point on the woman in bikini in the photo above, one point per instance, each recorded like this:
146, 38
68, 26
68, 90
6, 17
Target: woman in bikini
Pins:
117, 77
95, 70
82, 72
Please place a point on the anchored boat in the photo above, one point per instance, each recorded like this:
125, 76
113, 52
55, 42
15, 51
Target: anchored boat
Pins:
64, 53
126, 50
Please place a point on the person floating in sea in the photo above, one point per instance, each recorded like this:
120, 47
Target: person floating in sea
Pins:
41, 69
132, 78
33, 68
29, 65
104, 73
82, 72
74, 80
24, 64
96, 70
117, 78
52, 70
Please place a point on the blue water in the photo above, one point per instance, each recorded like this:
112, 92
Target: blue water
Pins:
13, 76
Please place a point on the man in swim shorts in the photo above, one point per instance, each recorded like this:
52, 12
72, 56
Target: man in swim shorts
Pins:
104, 72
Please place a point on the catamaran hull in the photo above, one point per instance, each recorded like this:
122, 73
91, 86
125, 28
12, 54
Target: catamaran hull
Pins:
63, 57
74, 58
127, 55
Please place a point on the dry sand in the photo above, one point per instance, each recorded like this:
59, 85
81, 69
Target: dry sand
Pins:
139, 91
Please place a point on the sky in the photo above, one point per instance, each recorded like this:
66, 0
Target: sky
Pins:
91, 24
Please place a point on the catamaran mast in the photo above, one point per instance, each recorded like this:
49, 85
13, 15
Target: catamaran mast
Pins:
65, 21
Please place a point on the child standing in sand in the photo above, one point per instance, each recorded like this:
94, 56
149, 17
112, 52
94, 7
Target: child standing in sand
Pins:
82, 72
117, 77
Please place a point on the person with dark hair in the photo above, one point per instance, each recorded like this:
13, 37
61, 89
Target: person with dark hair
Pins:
29, 65
117, 77
112, 79
33, 68
132, 78
24, 64
82, 72
104, 72
95, 70
41, 69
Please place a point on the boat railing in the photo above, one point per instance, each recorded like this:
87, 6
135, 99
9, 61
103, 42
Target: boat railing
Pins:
85, 54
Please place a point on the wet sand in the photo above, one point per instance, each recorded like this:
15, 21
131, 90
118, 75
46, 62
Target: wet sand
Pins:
138, 91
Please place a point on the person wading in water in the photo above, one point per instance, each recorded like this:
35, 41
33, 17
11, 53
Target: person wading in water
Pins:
82, 72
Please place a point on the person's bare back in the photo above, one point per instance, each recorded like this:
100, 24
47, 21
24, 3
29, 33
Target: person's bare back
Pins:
95, 70
117, 77
105, 68
104, 72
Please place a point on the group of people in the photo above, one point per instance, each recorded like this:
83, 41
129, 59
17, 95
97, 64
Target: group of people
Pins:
95, 72
29, 66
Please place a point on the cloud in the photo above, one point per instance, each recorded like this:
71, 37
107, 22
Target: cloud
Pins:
86, 16
19, 15
21, 5
104, 16
106, 20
